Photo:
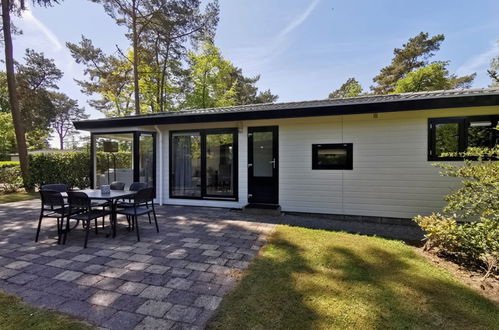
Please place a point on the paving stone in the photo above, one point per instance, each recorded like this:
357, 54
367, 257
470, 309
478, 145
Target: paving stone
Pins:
181, 297
113, 272
155, 292
209, 246
180, 272
197, 266
133, 275
216, 261
177, 254
108, 283
123, 321
232, 255
238, 264
61, 263
142, 250
183, 313
94, 269
40, 282
18, 265
81, 292
152, 323
117, 263
99, 314
73, 249
139, 257
22, 278
76, 308
88, 280
157, 269
137, 266
83, 257
103, 298
6, 273
50, 300
51, 253
208, 302
212, 253
28, 257
132, 288
68, 276
155, 279
191, 245
205, 288
179, 283
31, 296
201, 276
190, 240
128, 303
154, 308
104, 253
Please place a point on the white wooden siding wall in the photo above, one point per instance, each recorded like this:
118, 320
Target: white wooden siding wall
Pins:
391, 176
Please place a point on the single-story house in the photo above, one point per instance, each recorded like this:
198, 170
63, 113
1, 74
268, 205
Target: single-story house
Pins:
361, 156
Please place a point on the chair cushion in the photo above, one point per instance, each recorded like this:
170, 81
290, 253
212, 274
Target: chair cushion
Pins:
133, 211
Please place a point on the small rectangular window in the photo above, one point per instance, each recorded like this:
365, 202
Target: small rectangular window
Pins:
336, 156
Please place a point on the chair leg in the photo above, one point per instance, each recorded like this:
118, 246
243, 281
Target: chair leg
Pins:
155, 219
59, 229
149, 216
66, 231
39, 226
137, 227
96, 226
87, 230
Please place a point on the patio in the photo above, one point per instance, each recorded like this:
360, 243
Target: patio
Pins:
172, 279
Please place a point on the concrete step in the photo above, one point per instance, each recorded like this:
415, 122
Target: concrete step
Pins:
262, 209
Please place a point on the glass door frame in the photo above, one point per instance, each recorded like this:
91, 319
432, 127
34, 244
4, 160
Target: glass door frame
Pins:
235, 167
135, 153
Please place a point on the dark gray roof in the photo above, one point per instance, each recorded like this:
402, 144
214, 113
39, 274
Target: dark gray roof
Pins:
327, 107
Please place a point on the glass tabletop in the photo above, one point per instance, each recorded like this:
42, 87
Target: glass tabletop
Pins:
113, 194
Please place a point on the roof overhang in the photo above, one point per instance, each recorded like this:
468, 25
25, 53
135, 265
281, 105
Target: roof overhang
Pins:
294, 111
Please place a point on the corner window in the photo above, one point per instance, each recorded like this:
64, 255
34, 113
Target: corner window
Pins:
336, 156
457, 134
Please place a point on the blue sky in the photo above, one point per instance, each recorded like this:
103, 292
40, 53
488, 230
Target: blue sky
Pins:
302, 49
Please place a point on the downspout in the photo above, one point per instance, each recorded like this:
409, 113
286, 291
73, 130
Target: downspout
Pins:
160, 167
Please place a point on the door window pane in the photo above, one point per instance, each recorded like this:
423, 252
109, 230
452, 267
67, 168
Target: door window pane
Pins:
186, 164
114, 158
447, 138
262, 154
146, 169
219, 164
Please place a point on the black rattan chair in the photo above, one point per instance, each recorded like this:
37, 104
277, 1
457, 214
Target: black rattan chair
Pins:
53, 206
141, 202
116, 185
81, 204
60, 187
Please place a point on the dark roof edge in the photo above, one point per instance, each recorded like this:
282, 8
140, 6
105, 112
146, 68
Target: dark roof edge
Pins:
327, 110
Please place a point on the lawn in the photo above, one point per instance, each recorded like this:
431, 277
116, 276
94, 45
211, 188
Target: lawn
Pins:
14, 314
317, 279
19, 196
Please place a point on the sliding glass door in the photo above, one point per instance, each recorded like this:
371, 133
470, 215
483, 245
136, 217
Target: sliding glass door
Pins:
203, 164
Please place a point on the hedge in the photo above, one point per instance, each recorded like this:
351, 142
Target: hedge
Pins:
70, 168
8, 163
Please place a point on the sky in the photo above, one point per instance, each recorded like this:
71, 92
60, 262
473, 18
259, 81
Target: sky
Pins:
303, 49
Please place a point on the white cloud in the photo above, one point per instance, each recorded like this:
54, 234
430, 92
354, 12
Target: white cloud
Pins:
480, 61
30, 19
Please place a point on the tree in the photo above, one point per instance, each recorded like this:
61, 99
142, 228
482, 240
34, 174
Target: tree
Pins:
413, 55
351, 88
434, 76
7, 136
494, 70
8, 7
142, 16
67, 111
210, 76
247, 92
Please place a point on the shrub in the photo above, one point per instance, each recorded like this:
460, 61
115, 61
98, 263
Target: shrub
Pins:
10, 177
70, 168
476, 205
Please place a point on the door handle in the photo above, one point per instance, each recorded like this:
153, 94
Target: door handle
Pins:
273, 163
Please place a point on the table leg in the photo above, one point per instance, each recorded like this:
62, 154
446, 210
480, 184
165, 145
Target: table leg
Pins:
114, 216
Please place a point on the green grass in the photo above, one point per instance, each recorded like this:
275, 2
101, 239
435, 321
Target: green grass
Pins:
314, 279
19, 196
14, 314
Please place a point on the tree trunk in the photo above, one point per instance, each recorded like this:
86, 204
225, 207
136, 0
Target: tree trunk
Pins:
13, 100
61, 141
135, 57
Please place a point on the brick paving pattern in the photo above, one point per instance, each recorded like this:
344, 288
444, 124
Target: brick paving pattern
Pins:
174, 279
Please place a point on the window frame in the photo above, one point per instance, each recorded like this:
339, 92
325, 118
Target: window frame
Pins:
463, 125
202, 133
345, 146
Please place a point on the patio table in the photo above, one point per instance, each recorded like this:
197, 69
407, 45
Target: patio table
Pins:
112, 198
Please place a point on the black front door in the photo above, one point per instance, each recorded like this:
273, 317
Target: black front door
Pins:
263, 166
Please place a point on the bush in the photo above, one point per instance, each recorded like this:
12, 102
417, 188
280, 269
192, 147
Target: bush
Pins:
8, 163
123, 160
70, 168
10, 177
471, 227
